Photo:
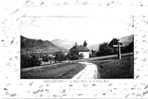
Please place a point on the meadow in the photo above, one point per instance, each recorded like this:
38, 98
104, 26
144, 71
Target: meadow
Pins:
109, 67
115, 68
59, 71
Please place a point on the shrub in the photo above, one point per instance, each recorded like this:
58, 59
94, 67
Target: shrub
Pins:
46, 58
59, 56
29, 61
73, 53
105, 49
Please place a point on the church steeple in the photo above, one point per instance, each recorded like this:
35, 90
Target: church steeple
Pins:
85, 44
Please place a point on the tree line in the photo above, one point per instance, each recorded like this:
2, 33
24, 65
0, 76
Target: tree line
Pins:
73, 54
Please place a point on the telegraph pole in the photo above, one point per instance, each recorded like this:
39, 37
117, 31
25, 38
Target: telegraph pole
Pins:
133, 23
118, 46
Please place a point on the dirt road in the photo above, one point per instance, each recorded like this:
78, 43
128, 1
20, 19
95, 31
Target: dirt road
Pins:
89, 72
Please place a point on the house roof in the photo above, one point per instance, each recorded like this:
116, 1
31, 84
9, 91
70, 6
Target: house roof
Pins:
82, 49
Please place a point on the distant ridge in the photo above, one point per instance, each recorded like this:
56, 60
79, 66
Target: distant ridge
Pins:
63, 43
126, 40
38, 46
44, 46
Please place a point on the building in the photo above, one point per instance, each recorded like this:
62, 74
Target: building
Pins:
84, 51
79, 51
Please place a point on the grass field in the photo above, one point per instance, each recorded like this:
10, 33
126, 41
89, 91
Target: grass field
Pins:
108, 67
114, 68
60, 71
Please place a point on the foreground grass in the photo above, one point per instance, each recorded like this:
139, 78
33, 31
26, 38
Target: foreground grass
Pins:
114, 68
60, 71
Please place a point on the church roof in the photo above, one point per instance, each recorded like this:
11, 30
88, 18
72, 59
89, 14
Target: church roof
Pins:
82, 49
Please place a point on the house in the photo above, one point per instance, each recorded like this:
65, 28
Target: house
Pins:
79, 51
84, 51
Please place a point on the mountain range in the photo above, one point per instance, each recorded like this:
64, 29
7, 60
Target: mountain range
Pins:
38, 46
44, 46
126, 40
67, 44
63, 43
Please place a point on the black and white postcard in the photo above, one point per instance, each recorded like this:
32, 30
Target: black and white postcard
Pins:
74, 48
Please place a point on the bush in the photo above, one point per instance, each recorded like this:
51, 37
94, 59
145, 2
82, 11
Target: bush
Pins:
104, 49
29, 61
81, 56
46, 58
73, 53
129, 48
59, 56
73, 56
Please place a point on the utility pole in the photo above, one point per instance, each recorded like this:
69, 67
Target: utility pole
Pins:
119, 45
133, 25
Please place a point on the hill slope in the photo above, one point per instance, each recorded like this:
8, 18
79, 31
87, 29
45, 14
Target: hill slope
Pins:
66, 44
126, 40
37, 46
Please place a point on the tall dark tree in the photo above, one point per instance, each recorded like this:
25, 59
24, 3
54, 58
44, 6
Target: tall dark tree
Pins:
131, 47
114, 41
73, 53
128, 48
29, 61
59, 56
85, 44
104, 49
93, 53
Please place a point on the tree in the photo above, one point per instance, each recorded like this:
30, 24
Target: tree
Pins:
114, 41
128, 48
81, 56
93, 53
59, 56
75, 46
73, 53
131, 47
29, 61
46, 58
35, 61
104, 49
85, 44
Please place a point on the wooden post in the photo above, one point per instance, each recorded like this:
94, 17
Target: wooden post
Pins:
119, 49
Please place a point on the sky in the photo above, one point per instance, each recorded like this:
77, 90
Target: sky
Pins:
95, 25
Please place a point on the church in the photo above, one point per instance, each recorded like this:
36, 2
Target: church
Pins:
83, 50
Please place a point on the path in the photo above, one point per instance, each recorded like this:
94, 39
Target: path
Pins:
89, 72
